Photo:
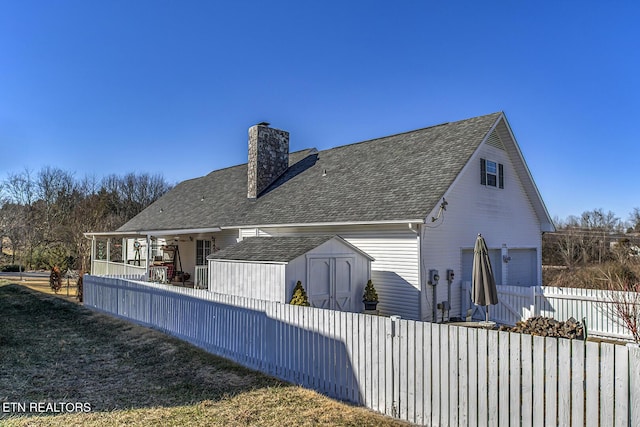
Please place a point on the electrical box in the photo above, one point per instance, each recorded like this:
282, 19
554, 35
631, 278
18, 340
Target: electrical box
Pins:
433, 277
444, 305
450, 276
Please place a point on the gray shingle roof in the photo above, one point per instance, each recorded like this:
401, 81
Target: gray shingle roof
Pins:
273, 249
395, 178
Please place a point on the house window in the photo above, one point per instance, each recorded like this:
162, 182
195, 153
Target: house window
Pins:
491, 173
203, 250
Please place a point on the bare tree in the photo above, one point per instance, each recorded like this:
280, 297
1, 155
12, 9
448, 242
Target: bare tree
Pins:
634, 220
625, 297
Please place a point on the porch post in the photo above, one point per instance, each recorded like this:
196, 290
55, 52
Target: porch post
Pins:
124, 252
93, 253
108, 254
148, 263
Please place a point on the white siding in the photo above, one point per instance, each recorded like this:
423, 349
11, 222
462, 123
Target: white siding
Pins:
394, 272
503, 216
252, 280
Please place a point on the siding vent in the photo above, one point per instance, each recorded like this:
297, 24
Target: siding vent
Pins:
495, 141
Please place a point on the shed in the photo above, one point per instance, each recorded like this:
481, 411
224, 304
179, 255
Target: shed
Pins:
332, 271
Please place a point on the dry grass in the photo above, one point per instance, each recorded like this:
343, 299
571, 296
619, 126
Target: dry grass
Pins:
41, 284
587, 277
57, 351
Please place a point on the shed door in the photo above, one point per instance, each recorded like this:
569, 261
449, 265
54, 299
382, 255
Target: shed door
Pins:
330, 282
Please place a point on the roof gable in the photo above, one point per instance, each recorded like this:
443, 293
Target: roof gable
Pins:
396, 178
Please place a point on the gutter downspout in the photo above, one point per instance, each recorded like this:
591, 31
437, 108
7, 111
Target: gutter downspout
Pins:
416, 228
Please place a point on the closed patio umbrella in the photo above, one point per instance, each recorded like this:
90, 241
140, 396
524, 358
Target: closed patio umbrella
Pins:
484, 291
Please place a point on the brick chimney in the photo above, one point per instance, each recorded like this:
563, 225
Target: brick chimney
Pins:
268, 157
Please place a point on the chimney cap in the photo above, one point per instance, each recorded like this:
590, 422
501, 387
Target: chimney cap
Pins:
263, 124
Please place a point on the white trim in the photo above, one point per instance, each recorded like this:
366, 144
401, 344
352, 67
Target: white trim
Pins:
549, 222
247, 261
328, 224
143, 233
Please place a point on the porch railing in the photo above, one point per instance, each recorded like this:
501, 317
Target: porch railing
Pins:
117, 269
201, 279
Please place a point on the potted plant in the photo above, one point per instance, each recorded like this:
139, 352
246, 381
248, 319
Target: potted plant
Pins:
299, 296
370, 297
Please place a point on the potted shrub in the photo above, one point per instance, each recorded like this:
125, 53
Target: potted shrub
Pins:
299, 296
370, 297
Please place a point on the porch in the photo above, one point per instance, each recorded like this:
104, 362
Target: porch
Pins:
175, 257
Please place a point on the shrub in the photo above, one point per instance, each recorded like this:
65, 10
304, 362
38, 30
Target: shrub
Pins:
55, 279
11, 268
370, 294
299, 296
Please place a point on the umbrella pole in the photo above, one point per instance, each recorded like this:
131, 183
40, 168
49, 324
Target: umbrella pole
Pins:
487, 314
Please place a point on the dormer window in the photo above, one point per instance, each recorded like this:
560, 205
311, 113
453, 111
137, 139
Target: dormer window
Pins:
491, 173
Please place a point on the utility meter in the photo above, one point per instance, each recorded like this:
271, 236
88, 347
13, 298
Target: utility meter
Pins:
433, 277
450, 276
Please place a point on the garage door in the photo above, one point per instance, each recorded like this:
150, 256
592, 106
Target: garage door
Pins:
522, 267
495, 255
330, 282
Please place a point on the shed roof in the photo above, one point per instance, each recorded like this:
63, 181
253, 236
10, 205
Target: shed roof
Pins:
275, 249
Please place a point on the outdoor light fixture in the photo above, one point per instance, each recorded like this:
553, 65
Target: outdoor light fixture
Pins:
506, 258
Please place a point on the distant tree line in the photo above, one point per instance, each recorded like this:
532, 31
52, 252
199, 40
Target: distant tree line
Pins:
595, 237
43, 215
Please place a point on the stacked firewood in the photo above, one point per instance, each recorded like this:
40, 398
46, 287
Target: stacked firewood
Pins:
548, 327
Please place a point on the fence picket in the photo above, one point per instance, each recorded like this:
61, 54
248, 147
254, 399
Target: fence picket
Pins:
444, 375
483, 377
427, 346
474, 378
634, 386
436, 392
463, 376
621, 384
564, 382
607, 365
454, 377
551, 381
515, 378
503, 379
577, 382
493, 372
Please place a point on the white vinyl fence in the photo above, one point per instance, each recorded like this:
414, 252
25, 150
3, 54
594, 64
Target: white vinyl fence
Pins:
429, 374
595, 307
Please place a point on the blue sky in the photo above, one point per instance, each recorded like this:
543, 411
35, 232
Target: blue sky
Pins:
171, 87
